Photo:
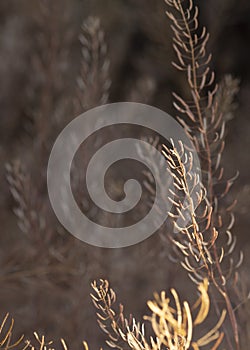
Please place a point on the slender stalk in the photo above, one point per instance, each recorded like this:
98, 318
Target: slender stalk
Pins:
196, 88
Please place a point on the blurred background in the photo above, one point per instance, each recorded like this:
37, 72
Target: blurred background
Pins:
48, 76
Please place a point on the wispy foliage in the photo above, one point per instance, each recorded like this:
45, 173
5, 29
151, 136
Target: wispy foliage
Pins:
202, 211
6, 332
93, 81
207, 240
173, 326
113, 323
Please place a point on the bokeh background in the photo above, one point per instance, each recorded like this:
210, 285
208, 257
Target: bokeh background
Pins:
45, 273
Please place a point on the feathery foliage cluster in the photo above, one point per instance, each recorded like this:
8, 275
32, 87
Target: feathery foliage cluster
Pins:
202, 240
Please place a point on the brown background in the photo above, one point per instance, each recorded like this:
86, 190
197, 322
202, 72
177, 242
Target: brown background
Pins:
139, 47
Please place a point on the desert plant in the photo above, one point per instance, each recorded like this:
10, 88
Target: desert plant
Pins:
173, 326
204, 117
202, 215
202, 234
6, 331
